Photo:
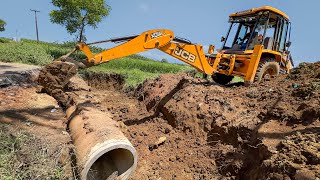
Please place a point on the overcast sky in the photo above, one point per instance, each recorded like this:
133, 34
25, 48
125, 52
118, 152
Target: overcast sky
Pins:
202, 21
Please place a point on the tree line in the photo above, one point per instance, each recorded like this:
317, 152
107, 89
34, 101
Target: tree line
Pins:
2, 25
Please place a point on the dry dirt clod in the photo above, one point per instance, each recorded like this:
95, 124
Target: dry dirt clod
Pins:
159, 142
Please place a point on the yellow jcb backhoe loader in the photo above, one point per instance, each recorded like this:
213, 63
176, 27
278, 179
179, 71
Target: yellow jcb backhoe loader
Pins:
256, 45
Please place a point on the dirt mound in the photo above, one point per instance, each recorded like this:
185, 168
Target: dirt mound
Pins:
227, 122
298, 157
293, 99
306, 70
163, 87
204, 112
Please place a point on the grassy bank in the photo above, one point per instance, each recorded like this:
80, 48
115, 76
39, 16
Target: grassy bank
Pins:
135, 68
21, 157
31, 52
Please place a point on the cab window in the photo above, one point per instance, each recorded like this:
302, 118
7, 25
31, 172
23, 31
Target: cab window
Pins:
283, 37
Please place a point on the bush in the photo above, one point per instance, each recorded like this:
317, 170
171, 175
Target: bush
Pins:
5, 40
24, 53
164, 61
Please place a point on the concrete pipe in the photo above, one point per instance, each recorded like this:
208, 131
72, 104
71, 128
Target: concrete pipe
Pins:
102, 151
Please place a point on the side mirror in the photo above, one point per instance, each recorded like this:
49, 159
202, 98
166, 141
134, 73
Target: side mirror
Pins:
223, 39
288, 44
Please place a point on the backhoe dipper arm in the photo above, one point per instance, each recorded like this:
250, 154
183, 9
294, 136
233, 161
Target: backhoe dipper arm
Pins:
161, 39
192, 54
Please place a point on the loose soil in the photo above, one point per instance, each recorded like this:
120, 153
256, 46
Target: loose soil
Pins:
186, 128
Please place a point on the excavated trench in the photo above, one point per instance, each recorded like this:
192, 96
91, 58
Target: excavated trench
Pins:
240, 152
208, 130
234, 121
102, 151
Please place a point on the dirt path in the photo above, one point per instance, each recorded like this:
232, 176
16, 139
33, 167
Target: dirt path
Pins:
13, 68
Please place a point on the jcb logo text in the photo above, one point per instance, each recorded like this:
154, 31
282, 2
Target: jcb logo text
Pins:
184, 54
156, 34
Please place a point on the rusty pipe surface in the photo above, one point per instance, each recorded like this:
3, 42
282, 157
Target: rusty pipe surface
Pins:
102, 151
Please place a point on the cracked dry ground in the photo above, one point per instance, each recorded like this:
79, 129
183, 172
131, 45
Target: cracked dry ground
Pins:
269, 130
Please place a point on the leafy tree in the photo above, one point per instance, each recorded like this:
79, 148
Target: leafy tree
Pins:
75, 15
164, 60
2, 25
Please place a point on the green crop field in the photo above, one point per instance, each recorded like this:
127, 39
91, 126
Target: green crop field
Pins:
134, 68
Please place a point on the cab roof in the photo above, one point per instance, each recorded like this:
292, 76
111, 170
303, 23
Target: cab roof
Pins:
256, 10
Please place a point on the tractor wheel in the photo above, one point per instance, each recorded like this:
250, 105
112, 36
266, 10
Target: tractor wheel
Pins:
267, 67
221, 78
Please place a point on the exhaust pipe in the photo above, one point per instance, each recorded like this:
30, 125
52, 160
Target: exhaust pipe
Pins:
102, 151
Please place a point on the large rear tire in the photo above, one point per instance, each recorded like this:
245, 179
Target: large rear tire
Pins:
267, 67
221, 78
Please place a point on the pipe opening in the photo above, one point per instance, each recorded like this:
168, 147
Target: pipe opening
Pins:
115, 163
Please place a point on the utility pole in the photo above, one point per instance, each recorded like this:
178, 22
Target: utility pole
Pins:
35, 17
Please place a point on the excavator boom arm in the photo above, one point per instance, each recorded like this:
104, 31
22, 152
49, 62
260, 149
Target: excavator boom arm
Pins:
161, 39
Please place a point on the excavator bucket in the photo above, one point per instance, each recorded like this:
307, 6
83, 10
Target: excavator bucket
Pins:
53, 79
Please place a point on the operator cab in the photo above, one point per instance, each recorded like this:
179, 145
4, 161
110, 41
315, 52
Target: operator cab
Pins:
266, 25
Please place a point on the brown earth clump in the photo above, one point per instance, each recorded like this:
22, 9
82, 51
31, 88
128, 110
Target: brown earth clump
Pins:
298, 157
54, 77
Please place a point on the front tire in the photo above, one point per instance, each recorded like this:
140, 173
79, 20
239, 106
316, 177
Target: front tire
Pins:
267, 67
221, 78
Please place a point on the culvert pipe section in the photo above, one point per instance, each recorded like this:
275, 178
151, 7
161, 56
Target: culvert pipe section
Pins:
102, 151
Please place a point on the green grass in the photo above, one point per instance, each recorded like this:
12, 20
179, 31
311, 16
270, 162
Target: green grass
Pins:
237, 79
136, 70
23, 156
31, 52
